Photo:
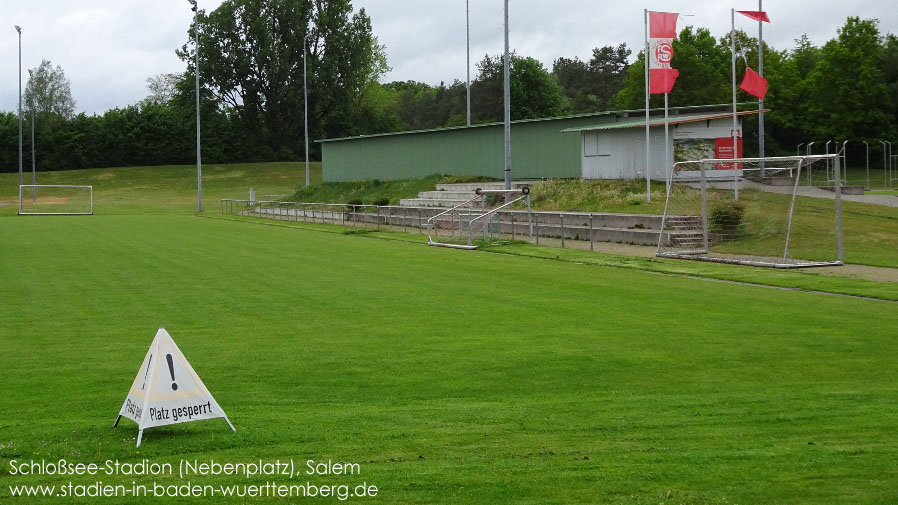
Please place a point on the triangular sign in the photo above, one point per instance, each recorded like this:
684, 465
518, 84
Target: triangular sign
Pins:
167, 390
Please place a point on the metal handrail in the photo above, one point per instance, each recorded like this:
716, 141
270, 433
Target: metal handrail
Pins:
493, 211
431, 218
518, 199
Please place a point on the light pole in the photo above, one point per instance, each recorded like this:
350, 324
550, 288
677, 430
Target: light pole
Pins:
828, 142
305, 101
196, 78
468, 58
845, 162
19, 29
810, 177
890, 163
507, 107
867, 148
885, 167
33, 162
798, 150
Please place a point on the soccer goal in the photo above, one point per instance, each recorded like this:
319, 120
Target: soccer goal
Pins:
56, 200
478, 219
753, 211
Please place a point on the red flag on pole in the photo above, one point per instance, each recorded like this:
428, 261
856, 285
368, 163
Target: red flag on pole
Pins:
662, 31
754, 84
756, 15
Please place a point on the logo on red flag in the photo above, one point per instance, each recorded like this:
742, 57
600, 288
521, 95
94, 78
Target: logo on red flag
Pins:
662, 52
754, 84
662, 31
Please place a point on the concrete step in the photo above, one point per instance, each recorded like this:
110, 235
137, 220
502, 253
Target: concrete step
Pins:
433, 202
471, 186
446, 195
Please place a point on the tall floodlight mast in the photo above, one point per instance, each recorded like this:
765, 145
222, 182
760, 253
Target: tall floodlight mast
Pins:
19, 29
196, 79
507, 107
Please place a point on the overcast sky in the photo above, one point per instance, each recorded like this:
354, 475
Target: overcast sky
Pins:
109, 48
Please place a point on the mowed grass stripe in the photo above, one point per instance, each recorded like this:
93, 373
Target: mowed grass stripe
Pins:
453, 377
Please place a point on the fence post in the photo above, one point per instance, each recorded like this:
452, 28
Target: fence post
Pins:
537, 228
592, 239
562, 230
512, 226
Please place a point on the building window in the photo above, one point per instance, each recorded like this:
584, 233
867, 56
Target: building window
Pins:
595, 145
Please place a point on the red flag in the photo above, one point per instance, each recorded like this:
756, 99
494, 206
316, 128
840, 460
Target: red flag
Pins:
662, 31
754, 84
756, 15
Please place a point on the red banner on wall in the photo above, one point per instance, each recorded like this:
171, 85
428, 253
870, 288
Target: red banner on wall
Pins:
723, 150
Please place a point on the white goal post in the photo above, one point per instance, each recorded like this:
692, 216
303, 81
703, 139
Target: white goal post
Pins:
55, 200
754, 211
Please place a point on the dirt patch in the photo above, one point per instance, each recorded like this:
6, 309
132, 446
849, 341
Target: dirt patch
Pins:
51, 200
878, 274
870, 273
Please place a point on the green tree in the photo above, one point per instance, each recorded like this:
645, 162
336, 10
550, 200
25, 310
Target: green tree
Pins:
704, 67
848, 96
48, 92
534, 92
251, 57
594, 85
162, 87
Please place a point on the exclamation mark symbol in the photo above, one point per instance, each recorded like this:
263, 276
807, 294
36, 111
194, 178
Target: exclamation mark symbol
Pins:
171, 370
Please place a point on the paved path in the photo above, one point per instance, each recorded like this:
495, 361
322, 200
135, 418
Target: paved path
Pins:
814, 192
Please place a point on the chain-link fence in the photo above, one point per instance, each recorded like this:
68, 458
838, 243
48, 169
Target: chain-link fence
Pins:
755, 211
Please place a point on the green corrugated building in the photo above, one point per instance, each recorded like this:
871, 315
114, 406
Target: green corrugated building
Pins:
539, 148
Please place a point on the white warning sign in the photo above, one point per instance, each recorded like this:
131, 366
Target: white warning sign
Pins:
167, 390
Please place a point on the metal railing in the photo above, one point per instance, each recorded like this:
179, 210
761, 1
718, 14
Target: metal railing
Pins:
468, 221
565, 229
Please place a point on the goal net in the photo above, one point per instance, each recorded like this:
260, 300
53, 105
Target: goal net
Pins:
753, 211
59, 200
477, 220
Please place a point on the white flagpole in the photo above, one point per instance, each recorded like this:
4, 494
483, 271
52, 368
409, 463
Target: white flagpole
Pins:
666, 140
735, 133
761, 100
648, 149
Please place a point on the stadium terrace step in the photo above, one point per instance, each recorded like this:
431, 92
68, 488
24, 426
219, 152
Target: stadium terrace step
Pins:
434, 202
450, 195
683, 222
638, 229
471, 186
446, 195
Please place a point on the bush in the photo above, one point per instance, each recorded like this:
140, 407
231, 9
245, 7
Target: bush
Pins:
381, 201
728, 220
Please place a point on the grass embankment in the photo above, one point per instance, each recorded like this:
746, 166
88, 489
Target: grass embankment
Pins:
555, 383
169, 189
374, 191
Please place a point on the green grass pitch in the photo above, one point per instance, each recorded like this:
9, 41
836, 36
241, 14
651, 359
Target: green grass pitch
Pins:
450, 377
